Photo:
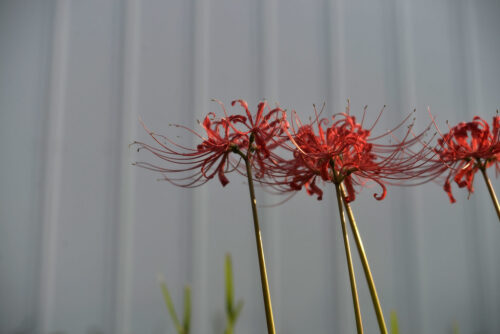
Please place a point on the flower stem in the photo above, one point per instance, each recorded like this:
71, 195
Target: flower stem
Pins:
352, 278
491, 190
366, 265
260, 250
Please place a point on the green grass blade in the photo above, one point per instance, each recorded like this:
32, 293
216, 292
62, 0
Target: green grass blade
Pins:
187, 309
394, 323
228, 269
237, 310
455, 329
170, 305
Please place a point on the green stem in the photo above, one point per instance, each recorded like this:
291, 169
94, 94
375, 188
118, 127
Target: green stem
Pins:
260, 249
229, 327
352, 278
366, 265
491, 190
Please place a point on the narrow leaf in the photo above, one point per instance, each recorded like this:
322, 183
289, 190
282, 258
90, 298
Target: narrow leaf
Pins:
229, 328
170, 305
455, 329
228, 268
187, 309
394, 323
237, 310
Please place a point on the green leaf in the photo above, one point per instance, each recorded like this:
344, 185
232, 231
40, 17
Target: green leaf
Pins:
229, 329
237, 310
187, 309
228, 268
394, 323
170, 305
455, 329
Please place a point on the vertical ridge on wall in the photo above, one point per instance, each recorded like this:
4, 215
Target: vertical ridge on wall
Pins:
126, 213
336, 54
268, 88
336, 99
53, 154
409, 236
465, 85
118, 187
26, 35
484, 254
199, 84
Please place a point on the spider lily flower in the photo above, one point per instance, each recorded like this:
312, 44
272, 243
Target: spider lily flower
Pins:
251, 137
346, 152
343, 152
191, 167
264, 131
465, 149
195, 166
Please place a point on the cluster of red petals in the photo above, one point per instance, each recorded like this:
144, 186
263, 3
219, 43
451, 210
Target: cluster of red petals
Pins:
338, 150
466, 148
266, 131
192, 167
345, 151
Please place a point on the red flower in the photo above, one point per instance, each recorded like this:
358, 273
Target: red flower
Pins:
345, 152
232, 133
465, 149
264, 131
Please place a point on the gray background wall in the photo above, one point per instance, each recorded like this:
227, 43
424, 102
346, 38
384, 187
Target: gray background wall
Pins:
83, 234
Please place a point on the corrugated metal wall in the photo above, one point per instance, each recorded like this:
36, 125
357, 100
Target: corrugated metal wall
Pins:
83, 234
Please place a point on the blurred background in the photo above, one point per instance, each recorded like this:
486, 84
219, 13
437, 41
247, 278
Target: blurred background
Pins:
83, 234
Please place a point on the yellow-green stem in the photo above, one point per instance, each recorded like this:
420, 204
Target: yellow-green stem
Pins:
366, 266
260, 250
352, 278
491, 190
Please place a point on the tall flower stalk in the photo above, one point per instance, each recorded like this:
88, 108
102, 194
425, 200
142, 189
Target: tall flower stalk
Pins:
247, 158
352, 277
366, 266
491, 191
251, 137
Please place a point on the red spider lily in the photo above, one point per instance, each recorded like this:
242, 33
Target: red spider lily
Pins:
232, 133
465, 149
264, 131
252, 138
346, 152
